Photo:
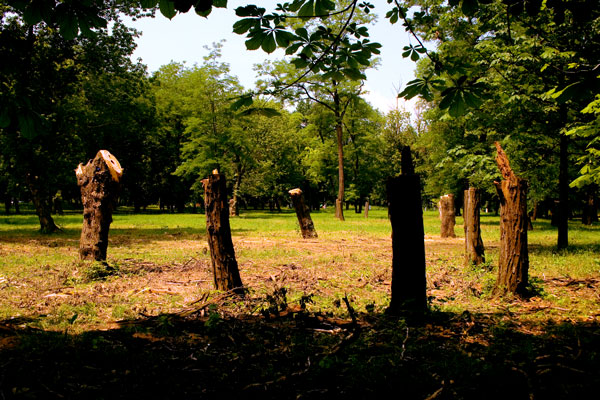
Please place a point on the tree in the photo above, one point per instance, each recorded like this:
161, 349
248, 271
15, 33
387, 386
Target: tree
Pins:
54, 101
330, 64
513, 70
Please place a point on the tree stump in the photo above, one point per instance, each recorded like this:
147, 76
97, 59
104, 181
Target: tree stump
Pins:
99, 183
233, 208
409, 285
447, 216
303, 213
222, 254
513, 265
367, 209
474, 250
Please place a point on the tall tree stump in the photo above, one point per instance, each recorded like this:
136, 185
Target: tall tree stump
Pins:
99, 183
303, 213
409, 286
474, 250
367, 209
222, 254
513, 265
447, 216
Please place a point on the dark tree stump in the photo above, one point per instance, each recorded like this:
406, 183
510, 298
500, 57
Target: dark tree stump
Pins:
513, 265
222, 254
99, 183
447, 216
474, 250
303, 213
409, 285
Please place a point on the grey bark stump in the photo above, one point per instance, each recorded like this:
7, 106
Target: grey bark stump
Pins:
474, 250
99, 183
303, 213
513, 265
222, 254
409, 286
447, 216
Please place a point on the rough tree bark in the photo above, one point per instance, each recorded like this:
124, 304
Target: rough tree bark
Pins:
474, 250
513, 265
99, 183
447, 215
222, 254
408, 245
303, 213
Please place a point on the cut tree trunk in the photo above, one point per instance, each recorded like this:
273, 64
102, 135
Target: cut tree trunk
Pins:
222, 254
303, 213
99, 183
408, 242
447, 215
514, 257
367, 209
474, 250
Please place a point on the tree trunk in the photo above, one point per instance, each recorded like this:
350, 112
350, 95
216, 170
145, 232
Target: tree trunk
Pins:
303, 213
590, 209
447, 215
99, 183
234, 207
474, 250
7, 204
563, 194
514, 257
409, 285
339, 202
535, 211
222, 254
43, 207
367, 209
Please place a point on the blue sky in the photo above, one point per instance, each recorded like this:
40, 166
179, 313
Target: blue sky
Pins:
183, 38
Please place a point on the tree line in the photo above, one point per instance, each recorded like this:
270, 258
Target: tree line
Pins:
495, 73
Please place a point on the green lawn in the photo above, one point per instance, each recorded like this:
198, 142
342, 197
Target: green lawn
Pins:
150, 324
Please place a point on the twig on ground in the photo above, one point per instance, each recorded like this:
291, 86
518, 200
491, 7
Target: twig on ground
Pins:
404, 345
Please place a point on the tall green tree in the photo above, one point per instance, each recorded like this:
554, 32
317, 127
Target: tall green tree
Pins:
60, 100
514, 68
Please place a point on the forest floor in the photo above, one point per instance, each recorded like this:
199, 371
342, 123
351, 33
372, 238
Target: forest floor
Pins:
312, 324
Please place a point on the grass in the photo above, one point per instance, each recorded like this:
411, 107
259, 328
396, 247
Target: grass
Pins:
154, 307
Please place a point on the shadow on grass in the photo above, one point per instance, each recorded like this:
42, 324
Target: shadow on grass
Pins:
302, 355
65, 237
